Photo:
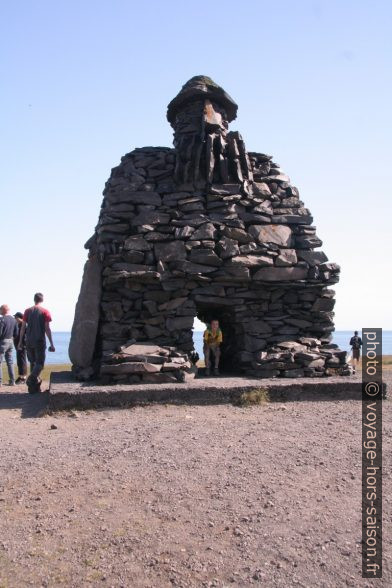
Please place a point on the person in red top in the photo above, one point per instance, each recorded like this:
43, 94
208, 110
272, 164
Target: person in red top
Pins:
35, 324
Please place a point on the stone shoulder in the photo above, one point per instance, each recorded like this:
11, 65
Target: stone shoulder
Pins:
142, 169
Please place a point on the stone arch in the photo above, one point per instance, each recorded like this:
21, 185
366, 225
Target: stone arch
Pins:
206, 311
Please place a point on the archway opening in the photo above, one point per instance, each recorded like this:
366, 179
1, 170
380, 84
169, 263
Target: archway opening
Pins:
208, 312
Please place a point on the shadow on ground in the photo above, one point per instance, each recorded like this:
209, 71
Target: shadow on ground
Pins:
30, 405
67, 393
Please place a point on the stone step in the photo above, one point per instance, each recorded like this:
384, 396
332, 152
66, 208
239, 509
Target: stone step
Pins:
66, 393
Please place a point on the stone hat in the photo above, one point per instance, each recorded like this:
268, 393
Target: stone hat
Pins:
201, 87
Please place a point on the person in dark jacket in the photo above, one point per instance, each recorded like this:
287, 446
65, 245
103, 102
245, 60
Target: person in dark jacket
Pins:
8, 330
356, 344
21, 354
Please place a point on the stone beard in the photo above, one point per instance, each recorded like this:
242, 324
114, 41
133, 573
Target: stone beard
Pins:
206, 152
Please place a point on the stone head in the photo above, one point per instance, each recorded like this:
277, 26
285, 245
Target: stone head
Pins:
201, 106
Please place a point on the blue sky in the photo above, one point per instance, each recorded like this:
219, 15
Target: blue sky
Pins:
85, 82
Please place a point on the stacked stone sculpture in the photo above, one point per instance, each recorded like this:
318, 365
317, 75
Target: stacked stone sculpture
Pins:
206, 229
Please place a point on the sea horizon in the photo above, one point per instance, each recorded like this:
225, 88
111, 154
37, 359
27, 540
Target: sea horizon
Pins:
341, 338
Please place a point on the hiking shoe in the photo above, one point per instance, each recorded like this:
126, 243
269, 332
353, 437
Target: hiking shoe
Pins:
216, 372
208, 371
20, 380
11, 383
34, 387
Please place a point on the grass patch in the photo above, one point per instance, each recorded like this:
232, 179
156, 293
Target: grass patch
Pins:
252, 397
45, 375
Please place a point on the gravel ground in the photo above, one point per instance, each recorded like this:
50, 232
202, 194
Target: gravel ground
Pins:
185, 495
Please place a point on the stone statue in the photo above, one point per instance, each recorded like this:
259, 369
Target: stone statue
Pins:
206, 229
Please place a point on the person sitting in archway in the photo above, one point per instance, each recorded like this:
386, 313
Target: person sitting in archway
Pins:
212, 339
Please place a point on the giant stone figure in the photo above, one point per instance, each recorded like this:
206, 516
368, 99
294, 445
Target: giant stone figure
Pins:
211, 230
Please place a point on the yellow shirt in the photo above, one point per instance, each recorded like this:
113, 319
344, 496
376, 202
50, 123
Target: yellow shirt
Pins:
213, 339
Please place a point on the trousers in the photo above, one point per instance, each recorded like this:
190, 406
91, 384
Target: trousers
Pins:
36, 355
6, 348
21, 360
215, 350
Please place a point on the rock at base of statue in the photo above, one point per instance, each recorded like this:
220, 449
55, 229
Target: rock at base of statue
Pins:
86, 321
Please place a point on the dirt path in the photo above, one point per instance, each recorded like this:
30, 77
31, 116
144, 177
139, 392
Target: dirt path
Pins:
185, 496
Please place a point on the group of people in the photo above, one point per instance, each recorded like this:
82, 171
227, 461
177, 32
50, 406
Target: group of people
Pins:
26, 332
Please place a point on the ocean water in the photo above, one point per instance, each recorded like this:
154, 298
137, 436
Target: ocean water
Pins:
342, 338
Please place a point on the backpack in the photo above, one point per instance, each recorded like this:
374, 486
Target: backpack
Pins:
356, 342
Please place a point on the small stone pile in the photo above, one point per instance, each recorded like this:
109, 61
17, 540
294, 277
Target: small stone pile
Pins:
148, 363
167, 250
